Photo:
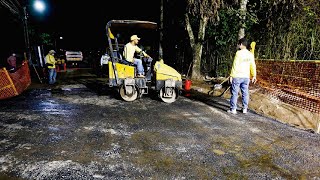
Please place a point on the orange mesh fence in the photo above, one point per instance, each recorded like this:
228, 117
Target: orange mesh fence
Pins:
294, 82
12, 84
7, 88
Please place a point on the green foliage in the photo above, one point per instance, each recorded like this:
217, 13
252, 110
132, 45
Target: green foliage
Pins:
304, 35
289, 30
225, 31
40, 38
46, 39
222, 38
282, 29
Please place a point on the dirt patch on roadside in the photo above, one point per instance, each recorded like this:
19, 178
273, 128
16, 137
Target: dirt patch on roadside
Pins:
268, 106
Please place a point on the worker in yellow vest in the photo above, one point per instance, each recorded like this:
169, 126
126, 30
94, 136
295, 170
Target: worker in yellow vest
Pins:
243, 68
50, 62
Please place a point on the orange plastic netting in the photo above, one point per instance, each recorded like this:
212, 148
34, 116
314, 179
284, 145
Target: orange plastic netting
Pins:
293, 82
13, 84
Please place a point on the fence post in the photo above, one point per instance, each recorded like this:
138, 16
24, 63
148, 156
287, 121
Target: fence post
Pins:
318, 125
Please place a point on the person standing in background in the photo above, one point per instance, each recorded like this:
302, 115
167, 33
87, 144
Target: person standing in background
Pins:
50, 63
12, 62
104, 64
243, 66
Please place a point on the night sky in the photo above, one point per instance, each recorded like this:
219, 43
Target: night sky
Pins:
84, 22
80, 23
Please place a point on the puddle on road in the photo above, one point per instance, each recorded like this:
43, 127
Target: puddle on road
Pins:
71, 87
53, 107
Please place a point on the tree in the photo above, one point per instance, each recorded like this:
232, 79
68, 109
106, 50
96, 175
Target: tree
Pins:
288, 29
203, 11
242, 15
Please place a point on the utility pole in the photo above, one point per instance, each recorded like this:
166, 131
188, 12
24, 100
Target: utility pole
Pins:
15, 8
161, 30
26, 34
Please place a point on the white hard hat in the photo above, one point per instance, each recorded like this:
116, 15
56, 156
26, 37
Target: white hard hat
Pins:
133, 37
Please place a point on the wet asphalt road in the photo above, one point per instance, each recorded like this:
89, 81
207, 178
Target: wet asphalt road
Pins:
84, 131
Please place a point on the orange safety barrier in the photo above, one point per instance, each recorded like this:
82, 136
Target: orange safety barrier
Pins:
13, 84
293, 82
59, 66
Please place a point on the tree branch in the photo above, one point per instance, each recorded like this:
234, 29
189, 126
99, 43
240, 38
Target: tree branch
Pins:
189, 30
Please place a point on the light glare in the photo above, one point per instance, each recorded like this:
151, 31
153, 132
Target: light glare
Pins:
39, 6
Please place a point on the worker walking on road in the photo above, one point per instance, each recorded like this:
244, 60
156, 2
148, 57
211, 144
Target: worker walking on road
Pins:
50, 62
243, 66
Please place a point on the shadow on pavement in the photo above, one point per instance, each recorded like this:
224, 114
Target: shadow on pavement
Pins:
216, 102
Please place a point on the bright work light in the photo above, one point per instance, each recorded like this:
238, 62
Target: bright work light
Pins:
39, 6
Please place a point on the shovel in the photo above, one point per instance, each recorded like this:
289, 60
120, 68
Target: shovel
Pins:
218, 87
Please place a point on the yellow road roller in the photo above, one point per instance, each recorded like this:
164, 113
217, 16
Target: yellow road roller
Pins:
159, 77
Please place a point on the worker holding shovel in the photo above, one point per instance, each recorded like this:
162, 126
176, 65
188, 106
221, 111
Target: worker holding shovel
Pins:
243, 66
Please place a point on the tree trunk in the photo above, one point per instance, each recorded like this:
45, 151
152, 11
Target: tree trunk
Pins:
243, 11
196, 65
196, 46
161, 30
189, 30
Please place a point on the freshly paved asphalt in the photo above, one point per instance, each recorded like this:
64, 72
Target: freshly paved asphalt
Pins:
82, 130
